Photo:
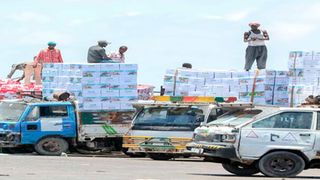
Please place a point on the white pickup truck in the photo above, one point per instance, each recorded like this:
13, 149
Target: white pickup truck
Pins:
278, 142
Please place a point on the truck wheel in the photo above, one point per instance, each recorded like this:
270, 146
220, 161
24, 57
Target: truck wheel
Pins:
281, 164
93, 151
240, 169
133, 155
161, 157
52, 146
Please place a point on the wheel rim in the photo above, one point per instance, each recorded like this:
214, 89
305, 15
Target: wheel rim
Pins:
281, 164
51, 146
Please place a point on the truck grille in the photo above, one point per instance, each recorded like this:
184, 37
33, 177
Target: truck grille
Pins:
208, 138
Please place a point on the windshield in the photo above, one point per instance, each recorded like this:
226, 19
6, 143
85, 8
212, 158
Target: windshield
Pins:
11, 111
236, 117
187, 117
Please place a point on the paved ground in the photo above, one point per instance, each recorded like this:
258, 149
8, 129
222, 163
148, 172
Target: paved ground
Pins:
58, 168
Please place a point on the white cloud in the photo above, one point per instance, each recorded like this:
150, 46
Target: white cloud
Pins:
213, 17
236, 16
35, 38
29, 17
291, 31
77, 22
132, 13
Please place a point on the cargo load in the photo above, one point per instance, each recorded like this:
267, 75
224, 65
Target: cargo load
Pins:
260, 87
304, 74
105, 86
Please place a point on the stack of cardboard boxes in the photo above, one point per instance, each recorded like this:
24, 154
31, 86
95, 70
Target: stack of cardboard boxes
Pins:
304, 73
265, 87
270, 87
95, 86
188, 82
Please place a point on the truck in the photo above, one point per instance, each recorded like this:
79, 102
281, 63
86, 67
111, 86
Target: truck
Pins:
276, 141
161, 130
55, 127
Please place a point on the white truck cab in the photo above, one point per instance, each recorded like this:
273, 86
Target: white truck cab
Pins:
275, 141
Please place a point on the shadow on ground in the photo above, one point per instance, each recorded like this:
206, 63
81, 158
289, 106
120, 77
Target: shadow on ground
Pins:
253, 176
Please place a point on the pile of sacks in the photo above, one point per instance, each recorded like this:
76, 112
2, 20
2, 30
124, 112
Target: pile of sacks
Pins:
10, 89
312, 100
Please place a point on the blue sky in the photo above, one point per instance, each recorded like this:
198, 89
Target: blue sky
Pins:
160, 34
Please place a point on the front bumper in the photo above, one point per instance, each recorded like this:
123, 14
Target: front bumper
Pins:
212, 150
147, 144
9, 139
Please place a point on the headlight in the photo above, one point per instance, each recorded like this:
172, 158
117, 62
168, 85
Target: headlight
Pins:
228, 138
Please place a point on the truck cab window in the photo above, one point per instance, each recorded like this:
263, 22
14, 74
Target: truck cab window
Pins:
53, 111
33, 115
214, 114
292, 120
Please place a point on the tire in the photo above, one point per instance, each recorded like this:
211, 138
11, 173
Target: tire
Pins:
133, 155
240, 169
136, 155
281, 164
93, 151
160, 157
187, 156
51, 146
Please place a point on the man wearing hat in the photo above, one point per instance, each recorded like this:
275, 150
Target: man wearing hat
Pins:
256, 49
97, 53
49, 55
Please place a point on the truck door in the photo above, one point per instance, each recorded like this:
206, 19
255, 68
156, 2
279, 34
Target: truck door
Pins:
285, 130
48, 120
317, 141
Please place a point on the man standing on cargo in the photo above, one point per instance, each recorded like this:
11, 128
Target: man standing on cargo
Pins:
97, 53
49, 55
256, 49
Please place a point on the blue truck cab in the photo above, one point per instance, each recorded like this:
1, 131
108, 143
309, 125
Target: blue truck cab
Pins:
48, 126
51, 127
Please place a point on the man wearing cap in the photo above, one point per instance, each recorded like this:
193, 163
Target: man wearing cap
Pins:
49, 55
256, 49
97, 53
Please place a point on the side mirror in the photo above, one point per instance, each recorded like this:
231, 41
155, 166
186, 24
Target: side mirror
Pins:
200, 118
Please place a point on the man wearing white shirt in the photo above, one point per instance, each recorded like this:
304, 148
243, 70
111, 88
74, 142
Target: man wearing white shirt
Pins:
256, 49
119, 56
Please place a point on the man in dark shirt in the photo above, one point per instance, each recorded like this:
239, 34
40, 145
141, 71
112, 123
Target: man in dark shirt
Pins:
97, 53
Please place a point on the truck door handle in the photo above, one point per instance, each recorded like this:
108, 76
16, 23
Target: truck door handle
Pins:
306, 134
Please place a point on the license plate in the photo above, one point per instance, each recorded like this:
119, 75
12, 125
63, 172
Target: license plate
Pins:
157, 144
197, 150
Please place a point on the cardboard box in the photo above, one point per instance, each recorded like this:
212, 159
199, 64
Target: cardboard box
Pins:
126, 105
125, 92
128, 79
93, 67
187, 73
222, 74
92, 105
110, 93
128, 67
109, 67
111, 105
91, 93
